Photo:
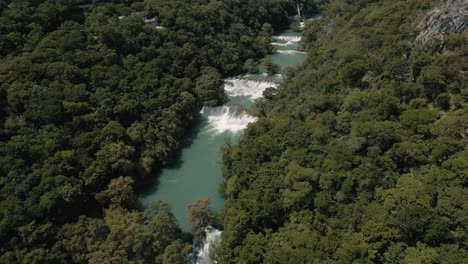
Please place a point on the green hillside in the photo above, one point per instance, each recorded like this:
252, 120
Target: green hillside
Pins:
361, 156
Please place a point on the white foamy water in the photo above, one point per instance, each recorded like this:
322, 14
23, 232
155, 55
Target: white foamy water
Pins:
291, 52
243, 87
288, 38
226, 119
283, 44
213, 239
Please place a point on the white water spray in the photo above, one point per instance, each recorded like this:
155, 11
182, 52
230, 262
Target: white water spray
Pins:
283, 44
226, 119
243, 87
288, 38
291, 52
213, 239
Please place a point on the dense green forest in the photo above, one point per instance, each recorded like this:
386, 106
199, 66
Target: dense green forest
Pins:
361, 156
94, 100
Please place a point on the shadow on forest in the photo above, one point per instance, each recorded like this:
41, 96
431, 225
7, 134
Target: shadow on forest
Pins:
151, 183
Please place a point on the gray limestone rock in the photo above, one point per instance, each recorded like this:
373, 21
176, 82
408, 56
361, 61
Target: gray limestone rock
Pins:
449, 18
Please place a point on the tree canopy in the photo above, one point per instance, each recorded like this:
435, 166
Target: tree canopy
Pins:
361, 154
95, 99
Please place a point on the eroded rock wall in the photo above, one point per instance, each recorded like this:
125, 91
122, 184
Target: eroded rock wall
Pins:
449, 18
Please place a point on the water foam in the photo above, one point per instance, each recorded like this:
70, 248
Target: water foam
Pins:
288, 38
283, 44
291, 52
213, 239
243, 87
226, 119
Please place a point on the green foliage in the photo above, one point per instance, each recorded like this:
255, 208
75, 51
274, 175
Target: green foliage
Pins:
93, 101
177, 253
271, 68
209, 87
360, 156
119, 192
250, 66
199, 216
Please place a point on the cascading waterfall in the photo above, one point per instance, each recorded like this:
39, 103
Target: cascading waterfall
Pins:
232, 118
226, 118
291, 52
288, 38
197, 172
213, 239
243, 87
284, 44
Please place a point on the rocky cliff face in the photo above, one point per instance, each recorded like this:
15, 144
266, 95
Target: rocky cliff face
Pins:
449, 18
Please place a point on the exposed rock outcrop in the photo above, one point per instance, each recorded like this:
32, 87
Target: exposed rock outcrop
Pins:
449, 18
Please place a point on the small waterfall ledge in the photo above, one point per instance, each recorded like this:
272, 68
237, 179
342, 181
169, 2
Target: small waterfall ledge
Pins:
244, 87
226, 119
212, 241
288, 43
291, 52
288, 38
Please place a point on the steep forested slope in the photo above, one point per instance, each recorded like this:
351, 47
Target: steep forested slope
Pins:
92, 100
361, 156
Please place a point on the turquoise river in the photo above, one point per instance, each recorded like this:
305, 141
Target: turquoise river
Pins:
197, 173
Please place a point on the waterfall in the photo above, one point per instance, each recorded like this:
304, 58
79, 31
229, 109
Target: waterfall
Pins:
282, 44
226, 119
288, 38
291, 52
213, 239
244, 87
